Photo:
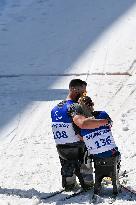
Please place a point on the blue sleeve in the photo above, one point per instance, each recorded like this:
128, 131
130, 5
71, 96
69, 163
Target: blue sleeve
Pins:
103, 115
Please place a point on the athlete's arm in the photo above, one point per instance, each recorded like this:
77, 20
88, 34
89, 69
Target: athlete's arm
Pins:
75, 111
88, 123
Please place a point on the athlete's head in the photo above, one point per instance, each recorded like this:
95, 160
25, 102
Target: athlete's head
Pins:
87, 103
77, 88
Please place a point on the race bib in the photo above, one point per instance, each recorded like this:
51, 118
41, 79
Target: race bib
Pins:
99, 141
63, 133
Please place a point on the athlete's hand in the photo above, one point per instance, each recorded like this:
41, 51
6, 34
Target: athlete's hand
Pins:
110, 122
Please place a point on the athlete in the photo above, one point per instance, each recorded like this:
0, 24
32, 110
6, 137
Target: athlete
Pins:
69, 146
101, 146
99, 141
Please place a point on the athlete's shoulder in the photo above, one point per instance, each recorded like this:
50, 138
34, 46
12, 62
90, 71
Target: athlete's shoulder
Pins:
60, 104
100, 114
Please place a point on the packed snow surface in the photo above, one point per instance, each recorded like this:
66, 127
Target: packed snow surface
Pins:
43, 45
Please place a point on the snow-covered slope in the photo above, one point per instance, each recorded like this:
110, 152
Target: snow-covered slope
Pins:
43, 45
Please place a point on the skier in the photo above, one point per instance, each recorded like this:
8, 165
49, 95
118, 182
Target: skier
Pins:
101, 147
69, 146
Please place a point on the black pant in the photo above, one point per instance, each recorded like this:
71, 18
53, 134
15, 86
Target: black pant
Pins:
71, 151
71, 157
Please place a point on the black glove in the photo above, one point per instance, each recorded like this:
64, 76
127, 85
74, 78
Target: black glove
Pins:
110, 122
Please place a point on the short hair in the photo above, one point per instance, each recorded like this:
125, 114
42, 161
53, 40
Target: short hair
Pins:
86, 100
77, 82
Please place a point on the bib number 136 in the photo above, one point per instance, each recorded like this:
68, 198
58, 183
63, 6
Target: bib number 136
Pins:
103, 142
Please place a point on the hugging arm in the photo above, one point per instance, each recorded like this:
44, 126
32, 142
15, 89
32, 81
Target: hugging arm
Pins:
75, 111
88, 123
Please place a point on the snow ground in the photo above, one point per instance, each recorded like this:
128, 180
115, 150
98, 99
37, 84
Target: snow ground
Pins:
43, 45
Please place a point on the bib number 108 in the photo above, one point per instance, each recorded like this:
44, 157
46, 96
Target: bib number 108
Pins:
59, 135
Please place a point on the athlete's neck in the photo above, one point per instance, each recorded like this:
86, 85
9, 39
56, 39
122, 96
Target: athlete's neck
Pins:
71, 97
